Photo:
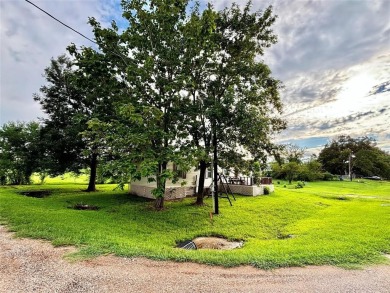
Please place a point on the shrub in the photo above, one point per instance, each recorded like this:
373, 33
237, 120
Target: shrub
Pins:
327, 176
300, 184
266, 190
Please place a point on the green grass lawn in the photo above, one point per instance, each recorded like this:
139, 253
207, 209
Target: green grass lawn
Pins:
338, 223
67, 178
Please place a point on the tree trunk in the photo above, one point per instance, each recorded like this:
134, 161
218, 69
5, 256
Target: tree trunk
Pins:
92, 176
159, 202
202, 175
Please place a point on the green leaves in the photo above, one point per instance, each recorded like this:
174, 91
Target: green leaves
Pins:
78, 89
231, 96
156, 92
20, 153
369, 160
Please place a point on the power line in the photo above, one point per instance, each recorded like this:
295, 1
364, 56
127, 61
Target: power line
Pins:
61, 22
64, 24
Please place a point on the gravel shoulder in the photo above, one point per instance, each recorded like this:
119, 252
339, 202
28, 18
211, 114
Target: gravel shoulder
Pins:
28, 265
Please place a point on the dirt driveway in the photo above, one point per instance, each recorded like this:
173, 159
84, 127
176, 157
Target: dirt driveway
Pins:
28, 265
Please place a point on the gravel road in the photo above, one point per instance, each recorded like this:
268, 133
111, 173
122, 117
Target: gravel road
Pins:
28, 265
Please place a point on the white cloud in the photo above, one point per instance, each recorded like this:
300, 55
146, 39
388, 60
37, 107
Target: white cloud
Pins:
343, 103
29, 38
327, 35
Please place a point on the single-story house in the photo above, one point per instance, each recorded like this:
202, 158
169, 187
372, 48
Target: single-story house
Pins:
189, 181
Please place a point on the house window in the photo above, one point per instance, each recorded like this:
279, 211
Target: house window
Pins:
181, 174
208, 173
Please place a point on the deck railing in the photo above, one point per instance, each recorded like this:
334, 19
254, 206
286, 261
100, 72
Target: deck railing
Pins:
248, 180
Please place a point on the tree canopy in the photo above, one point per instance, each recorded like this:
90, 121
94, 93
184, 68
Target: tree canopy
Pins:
177, 85
78, 89
231, 96
20, 152
191, 80
367, 159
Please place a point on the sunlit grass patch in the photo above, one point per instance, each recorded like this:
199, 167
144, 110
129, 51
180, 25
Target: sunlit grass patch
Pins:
67, 178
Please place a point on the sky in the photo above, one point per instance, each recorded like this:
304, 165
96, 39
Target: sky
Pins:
332, 56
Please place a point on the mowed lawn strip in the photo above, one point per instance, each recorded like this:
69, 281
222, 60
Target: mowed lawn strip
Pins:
338, 223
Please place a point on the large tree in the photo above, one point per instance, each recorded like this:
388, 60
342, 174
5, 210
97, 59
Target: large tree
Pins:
365, 158
232, 98
289, 162
149, 54
193, 85
77, 90
19, 152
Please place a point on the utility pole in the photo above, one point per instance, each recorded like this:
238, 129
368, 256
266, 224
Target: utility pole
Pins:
215, 169
350, 165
